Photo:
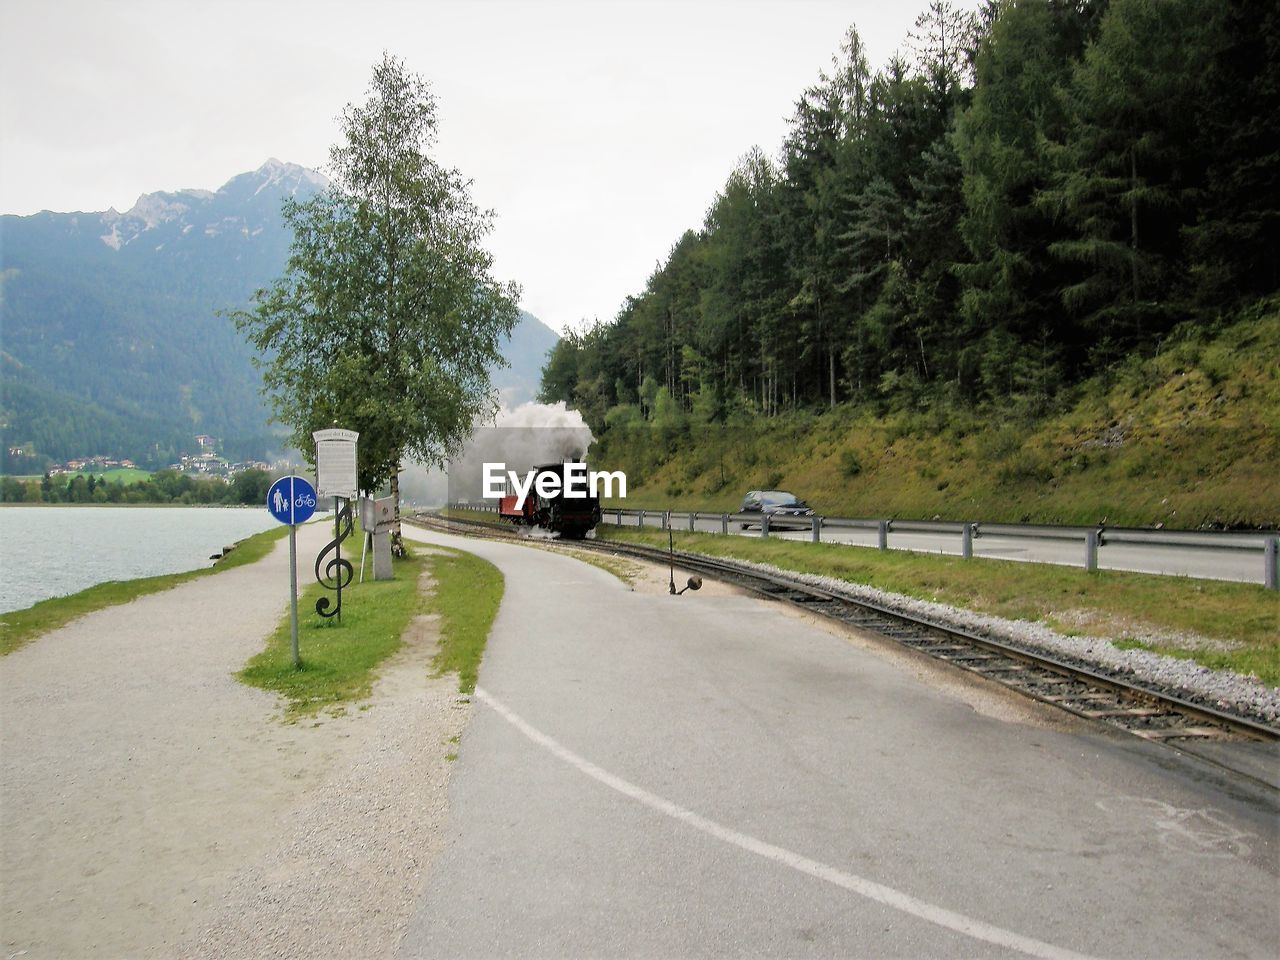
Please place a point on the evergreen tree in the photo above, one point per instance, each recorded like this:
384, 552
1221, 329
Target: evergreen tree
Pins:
1236, 242
1128, 175
932, 240
560, 374
832, 114
1010, 282
944, 40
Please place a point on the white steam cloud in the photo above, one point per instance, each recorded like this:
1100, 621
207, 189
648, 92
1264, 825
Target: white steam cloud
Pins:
522, 437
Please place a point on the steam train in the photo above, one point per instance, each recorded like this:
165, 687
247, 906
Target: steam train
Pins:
571, 517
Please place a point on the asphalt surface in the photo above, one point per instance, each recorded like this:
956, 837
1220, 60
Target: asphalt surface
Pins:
1188, 560
647, 775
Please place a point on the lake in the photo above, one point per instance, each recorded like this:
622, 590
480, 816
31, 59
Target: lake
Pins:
53, 551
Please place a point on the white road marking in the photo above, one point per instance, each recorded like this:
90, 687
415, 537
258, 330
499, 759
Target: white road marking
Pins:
977, 929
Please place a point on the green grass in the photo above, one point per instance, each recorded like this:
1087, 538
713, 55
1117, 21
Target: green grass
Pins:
338, 659
339, 662
1235, 626
125, 475
20, 627
483, 516
466, 597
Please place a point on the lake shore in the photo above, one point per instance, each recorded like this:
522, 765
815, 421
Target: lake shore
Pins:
59, 553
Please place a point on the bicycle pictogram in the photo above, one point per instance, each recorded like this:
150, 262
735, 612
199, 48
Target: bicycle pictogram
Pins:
291, 500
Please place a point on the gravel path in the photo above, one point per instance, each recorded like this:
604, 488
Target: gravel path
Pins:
343, 873
153, 806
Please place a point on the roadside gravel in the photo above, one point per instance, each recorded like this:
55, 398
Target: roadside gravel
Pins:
1223, 688
347, 863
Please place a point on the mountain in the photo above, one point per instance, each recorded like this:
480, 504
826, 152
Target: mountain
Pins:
113, 342
526, 351
114, 339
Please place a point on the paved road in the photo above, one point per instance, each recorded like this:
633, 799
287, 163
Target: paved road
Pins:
656, 776
1214, 563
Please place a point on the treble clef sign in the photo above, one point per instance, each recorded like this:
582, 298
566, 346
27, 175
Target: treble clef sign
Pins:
337, 572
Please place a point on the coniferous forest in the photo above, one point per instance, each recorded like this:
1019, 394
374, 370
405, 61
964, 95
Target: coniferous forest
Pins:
1026, 195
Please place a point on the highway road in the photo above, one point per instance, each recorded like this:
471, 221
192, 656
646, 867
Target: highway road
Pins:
647, 775
1196, 559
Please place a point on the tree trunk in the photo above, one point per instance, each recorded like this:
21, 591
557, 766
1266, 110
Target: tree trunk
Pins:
397, 542
831, 375
1133, 215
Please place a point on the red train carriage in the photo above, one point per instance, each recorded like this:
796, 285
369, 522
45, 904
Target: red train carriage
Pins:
571, 517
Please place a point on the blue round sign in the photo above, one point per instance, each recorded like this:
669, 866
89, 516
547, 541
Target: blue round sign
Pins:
291, 500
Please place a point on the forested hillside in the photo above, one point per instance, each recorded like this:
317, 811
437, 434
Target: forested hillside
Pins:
1188, 439
1030, 195
113, 339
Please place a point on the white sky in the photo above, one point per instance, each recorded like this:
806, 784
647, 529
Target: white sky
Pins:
598, 132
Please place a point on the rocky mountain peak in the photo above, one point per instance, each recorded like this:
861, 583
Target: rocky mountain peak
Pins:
243, 204
276, 171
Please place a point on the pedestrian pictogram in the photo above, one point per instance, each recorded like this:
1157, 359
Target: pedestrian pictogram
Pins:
291, 500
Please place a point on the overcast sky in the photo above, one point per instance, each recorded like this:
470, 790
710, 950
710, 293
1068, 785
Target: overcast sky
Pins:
597, 131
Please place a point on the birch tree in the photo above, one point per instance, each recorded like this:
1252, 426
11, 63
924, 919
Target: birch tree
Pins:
387, 319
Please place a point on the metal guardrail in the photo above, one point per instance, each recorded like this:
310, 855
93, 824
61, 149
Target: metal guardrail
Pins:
1266, 542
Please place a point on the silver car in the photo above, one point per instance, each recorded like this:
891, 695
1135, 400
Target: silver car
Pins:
784, 510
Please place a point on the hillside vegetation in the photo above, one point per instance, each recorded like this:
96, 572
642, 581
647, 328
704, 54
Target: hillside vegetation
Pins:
1187, 439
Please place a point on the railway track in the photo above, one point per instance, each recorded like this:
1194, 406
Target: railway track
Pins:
1075, 687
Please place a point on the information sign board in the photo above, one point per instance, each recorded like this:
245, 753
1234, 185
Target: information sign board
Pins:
336, 463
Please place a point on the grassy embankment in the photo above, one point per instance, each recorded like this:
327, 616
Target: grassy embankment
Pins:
19, 627
1187, 439
339, 661
1220, 625
466, 597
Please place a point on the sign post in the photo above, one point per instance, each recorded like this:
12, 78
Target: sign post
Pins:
336, 476
292, 500
376, 519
